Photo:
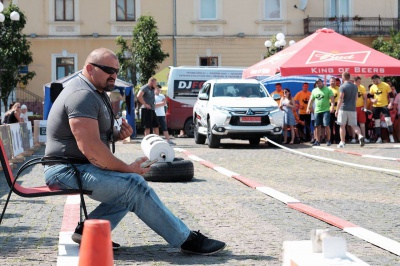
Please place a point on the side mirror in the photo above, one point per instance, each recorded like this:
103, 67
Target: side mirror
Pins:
276, 97
203, 96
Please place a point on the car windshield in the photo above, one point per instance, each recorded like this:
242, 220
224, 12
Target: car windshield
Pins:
239, 90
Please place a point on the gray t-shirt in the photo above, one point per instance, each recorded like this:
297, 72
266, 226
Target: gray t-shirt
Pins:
148, 96
350, 91
79, 98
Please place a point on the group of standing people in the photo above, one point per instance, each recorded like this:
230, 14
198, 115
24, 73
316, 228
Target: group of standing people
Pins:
334, 107
16, 114
153, 109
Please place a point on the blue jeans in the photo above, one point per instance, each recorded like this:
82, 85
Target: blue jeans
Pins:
322, 119
120, 193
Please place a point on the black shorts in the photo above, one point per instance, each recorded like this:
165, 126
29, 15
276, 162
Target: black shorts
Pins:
149, 118
163, 124
378, 110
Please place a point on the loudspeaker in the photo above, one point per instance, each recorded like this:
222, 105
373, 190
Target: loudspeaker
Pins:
55, 90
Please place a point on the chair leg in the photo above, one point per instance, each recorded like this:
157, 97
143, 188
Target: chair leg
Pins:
5, 205
83, 207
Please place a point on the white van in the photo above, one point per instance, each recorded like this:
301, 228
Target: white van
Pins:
184, 83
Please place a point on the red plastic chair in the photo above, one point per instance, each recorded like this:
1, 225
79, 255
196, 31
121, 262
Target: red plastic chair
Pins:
42, 191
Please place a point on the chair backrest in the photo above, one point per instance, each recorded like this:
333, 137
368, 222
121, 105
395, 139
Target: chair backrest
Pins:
6, 165
40, 191
32, 192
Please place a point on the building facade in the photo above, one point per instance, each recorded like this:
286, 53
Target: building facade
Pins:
193, 32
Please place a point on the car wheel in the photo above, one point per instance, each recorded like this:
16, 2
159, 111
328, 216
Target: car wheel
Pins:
213, 140
178, 170
198, 138
254, 141
189, 128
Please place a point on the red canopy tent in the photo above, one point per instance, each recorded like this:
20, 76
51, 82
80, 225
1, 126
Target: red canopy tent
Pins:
326, 52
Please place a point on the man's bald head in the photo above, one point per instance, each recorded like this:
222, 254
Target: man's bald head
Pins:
99, 55
101, 68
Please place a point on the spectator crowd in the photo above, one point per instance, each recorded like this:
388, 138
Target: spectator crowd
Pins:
316, 118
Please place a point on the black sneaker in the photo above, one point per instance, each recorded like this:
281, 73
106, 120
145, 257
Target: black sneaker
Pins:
199, 244
316, 143
362, 141
77, 236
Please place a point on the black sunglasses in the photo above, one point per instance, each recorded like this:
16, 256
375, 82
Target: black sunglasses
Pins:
106, 69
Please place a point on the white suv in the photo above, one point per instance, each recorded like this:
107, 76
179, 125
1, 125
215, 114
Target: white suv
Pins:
236, 109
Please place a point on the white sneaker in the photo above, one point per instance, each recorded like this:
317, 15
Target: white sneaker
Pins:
341, 145
391, 138
366, 141
379, 140
362, 141
353, 141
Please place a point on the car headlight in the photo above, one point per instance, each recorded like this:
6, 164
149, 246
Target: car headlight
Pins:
276, 117
273, 109
220, 108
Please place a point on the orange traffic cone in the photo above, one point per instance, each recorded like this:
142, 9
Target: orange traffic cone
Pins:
96, 247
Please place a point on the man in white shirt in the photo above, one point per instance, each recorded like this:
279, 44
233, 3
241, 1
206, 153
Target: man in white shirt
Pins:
160, 111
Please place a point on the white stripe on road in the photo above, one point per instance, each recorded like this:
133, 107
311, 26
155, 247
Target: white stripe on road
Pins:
68, 250
379, 157
195, 158
224, 171
323, 148
374, 238
277, 195
73, 199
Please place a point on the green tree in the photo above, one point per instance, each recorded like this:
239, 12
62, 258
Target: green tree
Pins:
390, 47
141, 58
14, 53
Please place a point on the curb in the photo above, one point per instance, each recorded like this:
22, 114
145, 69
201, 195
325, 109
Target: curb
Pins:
348, 227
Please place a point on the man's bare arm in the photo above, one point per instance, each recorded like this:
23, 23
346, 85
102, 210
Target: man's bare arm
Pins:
86, 133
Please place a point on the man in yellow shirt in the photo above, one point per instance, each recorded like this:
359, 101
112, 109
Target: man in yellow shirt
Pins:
382, 100
279, 91
334, 87
302, 98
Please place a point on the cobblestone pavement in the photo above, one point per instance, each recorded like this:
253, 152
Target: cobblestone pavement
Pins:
253, 224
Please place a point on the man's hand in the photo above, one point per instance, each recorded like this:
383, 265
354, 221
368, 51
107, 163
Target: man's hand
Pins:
336, 113
135, 166
125, 131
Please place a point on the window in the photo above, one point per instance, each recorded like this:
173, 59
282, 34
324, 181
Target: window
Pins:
64, 10
272, 9
125, 10
208, 9
208, 61
340, 8
205, 89
65, 66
